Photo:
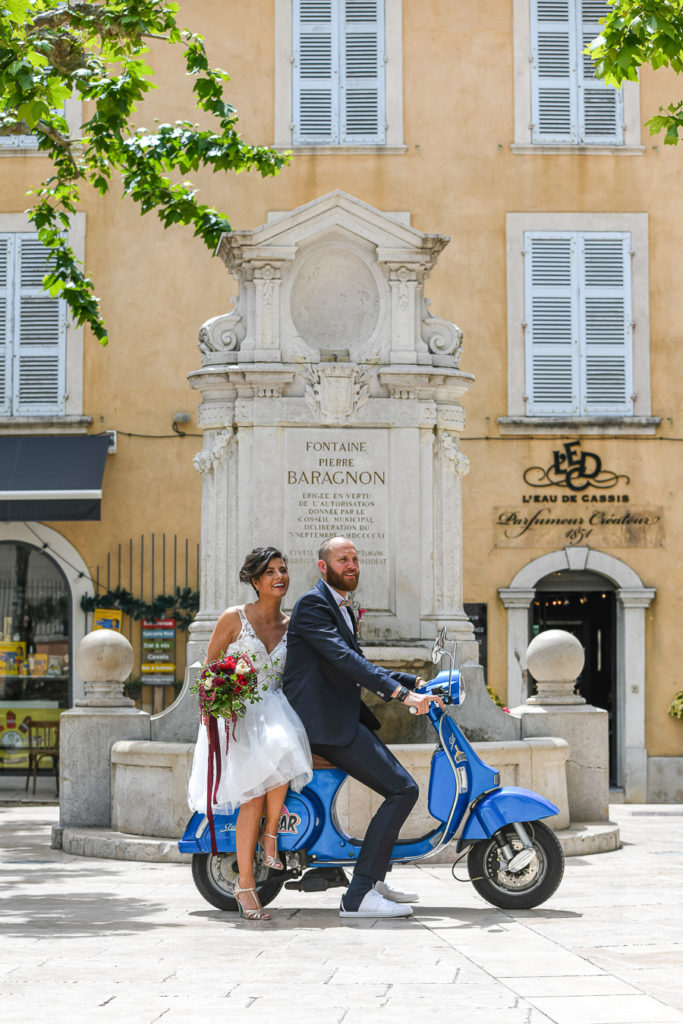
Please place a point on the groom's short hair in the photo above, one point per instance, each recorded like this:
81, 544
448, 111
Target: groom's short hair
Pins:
325, 549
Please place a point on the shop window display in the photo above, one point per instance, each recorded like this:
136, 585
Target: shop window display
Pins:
35, 632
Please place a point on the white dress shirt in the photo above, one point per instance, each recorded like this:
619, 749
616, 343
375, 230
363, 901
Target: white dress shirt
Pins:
339, 598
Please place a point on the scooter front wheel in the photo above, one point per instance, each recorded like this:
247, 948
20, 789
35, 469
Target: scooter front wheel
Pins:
215, 877
517, 890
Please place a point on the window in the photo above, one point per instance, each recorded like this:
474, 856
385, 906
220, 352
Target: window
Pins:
567, 103
338, 83
558, 101
16, 142
35, 609
578, 322
32, 331
28, 144
338, 75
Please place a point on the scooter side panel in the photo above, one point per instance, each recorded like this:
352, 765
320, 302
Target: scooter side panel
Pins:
300, 821
503, 807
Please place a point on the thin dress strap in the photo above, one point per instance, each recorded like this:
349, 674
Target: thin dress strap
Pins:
246, 624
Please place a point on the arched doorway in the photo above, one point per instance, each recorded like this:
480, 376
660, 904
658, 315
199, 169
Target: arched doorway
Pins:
631, 598
584, 604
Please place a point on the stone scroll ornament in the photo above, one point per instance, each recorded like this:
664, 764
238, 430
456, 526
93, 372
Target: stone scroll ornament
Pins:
207, 458
448, 448
221, 336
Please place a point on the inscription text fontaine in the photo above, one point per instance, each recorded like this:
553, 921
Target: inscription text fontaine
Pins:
338, 484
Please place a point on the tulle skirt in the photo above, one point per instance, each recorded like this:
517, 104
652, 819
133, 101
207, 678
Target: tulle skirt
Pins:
270, 748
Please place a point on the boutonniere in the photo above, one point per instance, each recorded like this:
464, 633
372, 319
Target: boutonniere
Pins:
359, 613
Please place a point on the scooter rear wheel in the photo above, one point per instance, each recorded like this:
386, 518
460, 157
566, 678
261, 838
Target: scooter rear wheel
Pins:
215, 878
517, 890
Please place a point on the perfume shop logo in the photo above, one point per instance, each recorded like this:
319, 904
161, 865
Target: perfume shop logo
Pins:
574, 469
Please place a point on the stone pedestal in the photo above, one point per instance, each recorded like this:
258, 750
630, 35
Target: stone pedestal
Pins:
555, 659
104, 659
86, 738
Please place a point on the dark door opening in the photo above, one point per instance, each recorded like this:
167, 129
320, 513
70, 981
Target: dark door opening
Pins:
590, 615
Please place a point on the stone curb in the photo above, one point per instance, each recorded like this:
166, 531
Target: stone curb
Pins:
578, 840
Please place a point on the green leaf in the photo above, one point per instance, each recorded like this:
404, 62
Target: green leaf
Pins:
17, 10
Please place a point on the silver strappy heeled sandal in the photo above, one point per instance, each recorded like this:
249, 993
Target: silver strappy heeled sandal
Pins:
271, 862
256, 913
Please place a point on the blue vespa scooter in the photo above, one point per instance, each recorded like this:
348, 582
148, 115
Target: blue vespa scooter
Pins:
514, 860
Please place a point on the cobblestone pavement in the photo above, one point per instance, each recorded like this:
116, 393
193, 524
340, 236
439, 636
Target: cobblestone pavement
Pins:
115, 941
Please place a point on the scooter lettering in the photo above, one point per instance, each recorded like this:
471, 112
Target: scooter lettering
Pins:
289, 823
458, 755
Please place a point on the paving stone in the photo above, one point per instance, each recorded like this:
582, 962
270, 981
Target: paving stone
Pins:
134, 943
614, 1009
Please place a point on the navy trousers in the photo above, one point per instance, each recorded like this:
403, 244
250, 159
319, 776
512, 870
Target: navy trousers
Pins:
371, 762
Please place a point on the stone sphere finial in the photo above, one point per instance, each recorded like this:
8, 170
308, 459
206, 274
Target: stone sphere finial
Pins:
104, 658
555, 658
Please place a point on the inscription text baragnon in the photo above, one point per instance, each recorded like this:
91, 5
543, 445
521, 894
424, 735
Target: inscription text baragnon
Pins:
337, 482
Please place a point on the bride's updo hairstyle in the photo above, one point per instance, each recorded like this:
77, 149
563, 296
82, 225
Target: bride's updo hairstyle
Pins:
256, 563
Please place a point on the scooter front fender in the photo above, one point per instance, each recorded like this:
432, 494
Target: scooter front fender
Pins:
503, 807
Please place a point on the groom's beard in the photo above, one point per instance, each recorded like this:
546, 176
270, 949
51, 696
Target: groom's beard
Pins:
341, 582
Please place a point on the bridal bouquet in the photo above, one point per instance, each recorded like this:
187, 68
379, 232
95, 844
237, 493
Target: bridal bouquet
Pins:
225, 687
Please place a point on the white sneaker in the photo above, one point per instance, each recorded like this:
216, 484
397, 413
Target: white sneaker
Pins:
374, 905
395, 895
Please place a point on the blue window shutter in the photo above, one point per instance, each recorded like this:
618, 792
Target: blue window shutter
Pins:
39, 329
551, 311
316, 72
362, 72
606, 331
553, 71
6, 267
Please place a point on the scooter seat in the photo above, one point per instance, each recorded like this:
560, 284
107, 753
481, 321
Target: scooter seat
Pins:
320, 763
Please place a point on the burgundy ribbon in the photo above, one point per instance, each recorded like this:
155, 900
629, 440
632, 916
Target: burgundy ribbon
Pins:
213, 776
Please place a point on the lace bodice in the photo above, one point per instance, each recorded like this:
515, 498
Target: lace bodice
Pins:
270, 667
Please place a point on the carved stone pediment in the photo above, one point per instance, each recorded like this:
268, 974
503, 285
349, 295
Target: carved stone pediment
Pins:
333, 275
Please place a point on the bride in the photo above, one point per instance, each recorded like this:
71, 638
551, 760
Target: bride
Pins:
269, 751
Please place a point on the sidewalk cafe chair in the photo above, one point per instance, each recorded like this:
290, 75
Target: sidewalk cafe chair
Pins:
43, 742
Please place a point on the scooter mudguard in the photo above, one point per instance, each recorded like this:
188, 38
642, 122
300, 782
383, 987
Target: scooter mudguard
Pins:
503, 807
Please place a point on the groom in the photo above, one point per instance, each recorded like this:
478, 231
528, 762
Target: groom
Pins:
324, 672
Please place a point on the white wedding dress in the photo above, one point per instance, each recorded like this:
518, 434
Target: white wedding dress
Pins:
270, 745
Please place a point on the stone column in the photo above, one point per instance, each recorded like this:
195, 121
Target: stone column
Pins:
631, 605
450, 465
266, 284
217, 464
555, 659
405, 292
104, 658
517, 603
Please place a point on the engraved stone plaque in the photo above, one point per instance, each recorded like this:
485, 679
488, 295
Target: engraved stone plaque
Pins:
337, 482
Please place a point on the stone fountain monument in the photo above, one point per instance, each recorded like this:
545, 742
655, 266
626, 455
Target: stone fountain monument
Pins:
331, 404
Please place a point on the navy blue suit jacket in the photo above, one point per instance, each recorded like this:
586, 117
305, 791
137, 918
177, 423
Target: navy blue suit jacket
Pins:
326, 668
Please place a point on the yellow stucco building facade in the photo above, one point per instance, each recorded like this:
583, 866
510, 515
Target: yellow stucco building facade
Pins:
478, 121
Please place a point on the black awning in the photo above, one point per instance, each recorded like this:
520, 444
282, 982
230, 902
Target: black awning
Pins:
51, 478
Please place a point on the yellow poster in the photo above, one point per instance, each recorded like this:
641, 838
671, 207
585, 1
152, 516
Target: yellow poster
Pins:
12, 658
15, 721
107, 618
